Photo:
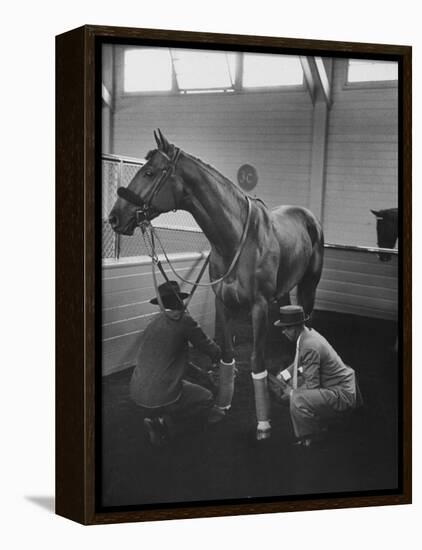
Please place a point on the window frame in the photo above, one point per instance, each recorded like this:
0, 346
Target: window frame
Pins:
236, 89
366, 84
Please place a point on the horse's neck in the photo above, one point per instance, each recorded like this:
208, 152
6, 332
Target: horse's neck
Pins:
217, 205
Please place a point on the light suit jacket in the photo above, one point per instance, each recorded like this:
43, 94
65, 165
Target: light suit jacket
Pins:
320, 366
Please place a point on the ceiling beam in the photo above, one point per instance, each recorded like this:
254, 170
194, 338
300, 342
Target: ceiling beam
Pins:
317, 78
309, 77
325, 78
106, 96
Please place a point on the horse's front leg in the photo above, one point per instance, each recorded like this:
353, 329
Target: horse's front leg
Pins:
227, 363
259, 373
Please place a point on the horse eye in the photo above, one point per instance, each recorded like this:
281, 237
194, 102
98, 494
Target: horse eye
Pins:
148, 173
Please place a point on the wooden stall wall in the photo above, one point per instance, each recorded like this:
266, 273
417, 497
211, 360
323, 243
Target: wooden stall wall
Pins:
362, 159
358, 283
127, 287
352, 282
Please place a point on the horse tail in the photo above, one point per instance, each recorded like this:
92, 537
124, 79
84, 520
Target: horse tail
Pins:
306, 288
314, 229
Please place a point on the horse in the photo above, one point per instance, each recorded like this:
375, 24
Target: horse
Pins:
387, 230
257, 255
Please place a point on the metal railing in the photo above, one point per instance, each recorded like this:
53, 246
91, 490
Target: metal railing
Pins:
355, 248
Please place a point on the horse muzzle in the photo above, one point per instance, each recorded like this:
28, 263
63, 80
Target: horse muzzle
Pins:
128, 229
145, 212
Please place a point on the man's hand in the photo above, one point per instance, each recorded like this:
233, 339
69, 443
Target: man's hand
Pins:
213, 375
200, 376
280, 388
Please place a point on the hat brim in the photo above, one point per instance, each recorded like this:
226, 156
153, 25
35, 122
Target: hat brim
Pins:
281, 324
181, 295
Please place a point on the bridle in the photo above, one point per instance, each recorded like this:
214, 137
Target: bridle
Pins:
145, 204
142, 220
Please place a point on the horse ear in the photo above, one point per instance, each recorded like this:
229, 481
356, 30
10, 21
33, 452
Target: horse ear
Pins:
157, 139
165, 145
375, 213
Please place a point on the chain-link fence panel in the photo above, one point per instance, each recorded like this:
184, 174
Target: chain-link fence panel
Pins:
110, 183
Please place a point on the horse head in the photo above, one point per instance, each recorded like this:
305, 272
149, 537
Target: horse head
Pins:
387, 230
154, 189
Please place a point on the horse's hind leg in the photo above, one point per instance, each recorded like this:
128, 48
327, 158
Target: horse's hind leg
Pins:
306, 289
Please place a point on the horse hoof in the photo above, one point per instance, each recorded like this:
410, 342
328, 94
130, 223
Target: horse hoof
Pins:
263, 434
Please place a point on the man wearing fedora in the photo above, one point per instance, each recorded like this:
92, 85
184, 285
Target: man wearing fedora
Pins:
158, 385
318, 386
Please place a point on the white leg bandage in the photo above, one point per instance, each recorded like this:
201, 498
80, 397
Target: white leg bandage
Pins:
225, 385
262, 400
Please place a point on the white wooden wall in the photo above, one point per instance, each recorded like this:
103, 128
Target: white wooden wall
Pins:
273, 131
358, 283
362, 159
270, 130
127, 287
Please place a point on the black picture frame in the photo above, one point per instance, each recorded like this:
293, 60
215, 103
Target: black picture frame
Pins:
78, 142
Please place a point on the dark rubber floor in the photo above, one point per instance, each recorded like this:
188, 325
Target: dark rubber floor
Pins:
224, 461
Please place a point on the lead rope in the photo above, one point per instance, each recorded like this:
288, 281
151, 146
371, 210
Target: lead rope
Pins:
150, 247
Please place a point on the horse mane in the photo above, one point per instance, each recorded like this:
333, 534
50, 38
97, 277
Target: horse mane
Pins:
232, 187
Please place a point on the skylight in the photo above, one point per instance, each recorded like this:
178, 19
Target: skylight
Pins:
262, 70
203, 70
362, 70
147, 70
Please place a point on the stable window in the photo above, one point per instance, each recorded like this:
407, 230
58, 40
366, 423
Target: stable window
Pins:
147, 70
362, 70
203, 71
262, 70
150, 70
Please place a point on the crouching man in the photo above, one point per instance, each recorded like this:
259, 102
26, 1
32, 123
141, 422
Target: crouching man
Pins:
169, 402
318, 386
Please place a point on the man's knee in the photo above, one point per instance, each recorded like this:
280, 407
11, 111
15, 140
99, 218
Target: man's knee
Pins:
297, 400
301, 406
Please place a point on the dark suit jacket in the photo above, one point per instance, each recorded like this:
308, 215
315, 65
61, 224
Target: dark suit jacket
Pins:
162, 359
